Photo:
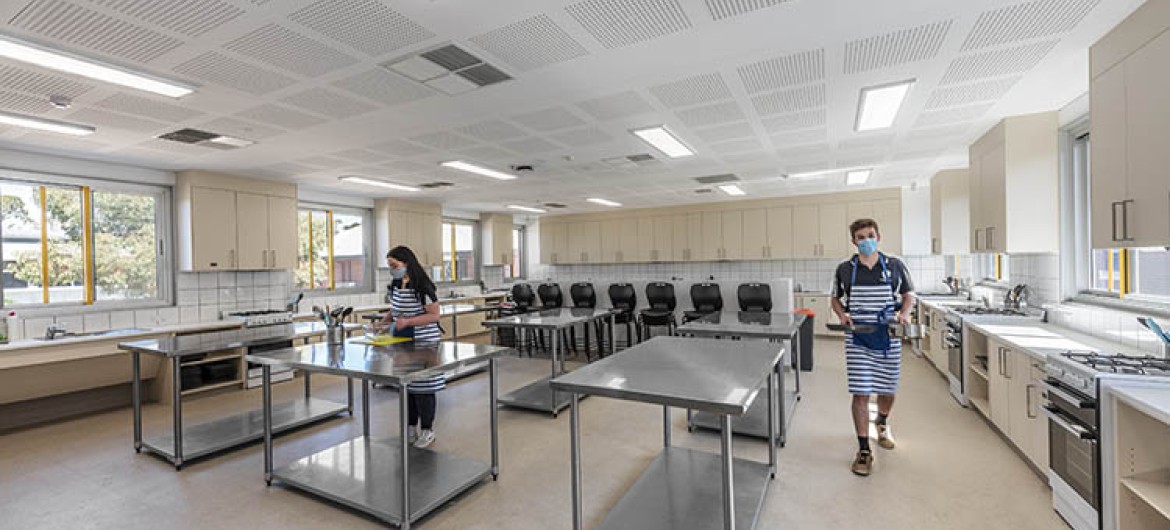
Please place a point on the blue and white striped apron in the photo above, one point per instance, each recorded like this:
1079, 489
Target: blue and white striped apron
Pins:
872, 370
404, 303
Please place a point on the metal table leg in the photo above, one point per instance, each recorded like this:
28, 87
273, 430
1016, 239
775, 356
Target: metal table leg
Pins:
796, 349
177, 410
575, 458
728, 485
404, 414
555, 349
492, 391
349, 395
556, 345
665, 426
136, 397
266, 384
308, 385
783, 412
366, 408
454, 326
612, 331
772, 423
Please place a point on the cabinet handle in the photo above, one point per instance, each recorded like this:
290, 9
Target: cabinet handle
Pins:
1113, 210
1028, 401
1125, 219
1007, 372
991, 238
977, 239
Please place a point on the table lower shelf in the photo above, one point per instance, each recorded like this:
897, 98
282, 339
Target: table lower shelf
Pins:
206, 438
755, 421
366, 474
683, 488
537, 396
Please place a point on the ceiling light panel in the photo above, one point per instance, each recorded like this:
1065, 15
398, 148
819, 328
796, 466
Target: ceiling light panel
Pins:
616, 106
664, 141
857, 177
605, 202
997, 63
732, 190
919, 43
699, 89
42, 124
478, 170
1029, 20
716, 114
283, 48
784, 71
192, 18
791, 100
91, 30
617, 23
375, 182
366, 25
329, 103
878, 106
40, 82
550, 119
955, 95
46, 57
150, 108
528, 209
222, 70
721, 9
530, 43
385, 87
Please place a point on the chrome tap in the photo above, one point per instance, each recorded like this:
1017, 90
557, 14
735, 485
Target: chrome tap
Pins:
54, 330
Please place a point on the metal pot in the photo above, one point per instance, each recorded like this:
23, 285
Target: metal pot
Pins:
334, 335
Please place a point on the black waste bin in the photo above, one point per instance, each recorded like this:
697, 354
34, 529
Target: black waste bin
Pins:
806, 343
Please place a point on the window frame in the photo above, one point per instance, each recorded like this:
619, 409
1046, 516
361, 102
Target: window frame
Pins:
164, 232
522, 250
368, 284
477, 251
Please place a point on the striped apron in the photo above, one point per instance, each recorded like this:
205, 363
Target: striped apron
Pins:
404, 303
873, 362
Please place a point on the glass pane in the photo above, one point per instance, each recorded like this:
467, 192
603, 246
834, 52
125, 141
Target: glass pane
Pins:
21, 246
302, 273
1151, 275
448, 252
465, 251
125, 246
514, 270
348, 250
320, 250
1100, 270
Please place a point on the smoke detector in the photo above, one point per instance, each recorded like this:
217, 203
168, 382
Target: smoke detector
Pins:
60, 102
521, 167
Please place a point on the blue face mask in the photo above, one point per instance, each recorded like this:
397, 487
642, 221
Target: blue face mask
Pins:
398, 273
867, 246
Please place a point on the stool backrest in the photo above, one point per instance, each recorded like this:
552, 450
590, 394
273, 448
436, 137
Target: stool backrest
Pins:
583, 294
523, 296
660, 295
550, 296
706, 297
623, 296
755, 297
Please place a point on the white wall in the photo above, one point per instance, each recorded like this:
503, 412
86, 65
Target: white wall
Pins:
916, 220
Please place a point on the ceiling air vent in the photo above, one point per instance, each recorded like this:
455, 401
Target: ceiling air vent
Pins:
640, 158
433, 185
188, 136
554, 205
451, 57
484, 75
716, 179
703, 190
448, 69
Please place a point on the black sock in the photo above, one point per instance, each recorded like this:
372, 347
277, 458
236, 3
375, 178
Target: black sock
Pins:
863, 442
882, 419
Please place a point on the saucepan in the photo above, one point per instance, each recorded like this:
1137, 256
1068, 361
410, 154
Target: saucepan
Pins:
901, 331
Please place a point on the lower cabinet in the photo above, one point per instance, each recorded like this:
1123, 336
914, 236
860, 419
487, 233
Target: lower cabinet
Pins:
1016, 400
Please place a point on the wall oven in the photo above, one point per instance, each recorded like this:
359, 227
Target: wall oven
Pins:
952, 344
1073, 455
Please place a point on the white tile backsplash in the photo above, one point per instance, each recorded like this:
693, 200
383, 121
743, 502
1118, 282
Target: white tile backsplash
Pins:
168, 316
208, 280
96, 322
35, 327
121, 319
72, 323
189, 315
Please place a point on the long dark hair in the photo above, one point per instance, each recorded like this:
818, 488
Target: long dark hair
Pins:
420, 281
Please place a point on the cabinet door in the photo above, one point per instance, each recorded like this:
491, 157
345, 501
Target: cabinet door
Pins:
282, 232
252, 231
1108, 168
834, 229
1020, 400
628, 252
779, 221
936, 201
806, 231
590, 246
645, 240
213, 229
575, 243
663, 238
712, 236
611, 241
888, 214
755, 234
1037, 421
1147, 90
680, 242
975, 200
732, 229
999, 367
432, 231
859, 210
552, 239
994, 167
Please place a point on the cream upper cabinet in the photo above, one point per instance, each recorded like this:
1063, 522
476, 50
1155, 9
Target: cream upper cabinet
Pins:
731, 225
553, 237
834, 231
712, 236
936, 187
755, 234
663, 239
282, 233
950, 212
628, 251
213, 214
590, 247
1108, 163
645, 231
252, 231
497, 238
859, 210
888, 214
575, 244
418, 226
686, 236
806, 231
780, 232
611, 241
225, 222
1146, 217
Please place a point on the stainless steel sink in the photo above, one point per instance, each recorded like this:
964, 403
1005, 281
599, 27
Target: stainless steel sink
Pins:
106, 333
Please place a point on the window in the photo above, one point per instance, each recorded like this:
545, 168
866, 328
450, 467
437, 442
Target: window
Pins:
67, 243
516, 269
333, 250
992, 267
460, 262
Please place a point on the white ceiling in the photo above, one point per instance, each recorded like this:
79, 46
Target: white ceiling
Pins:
759, 88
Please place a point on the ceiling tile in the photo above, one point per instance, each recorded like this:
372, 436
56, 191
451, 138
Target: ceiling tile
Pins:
866, 141
1029, 20
101, 118
899, 47
711, 114
188, 17
443, 140
174, 148
147, 107
240, 128
399, 167
91, 30
366, 25
287, 169
488, 153
324, 162
996, 63
617, 23
12, 101
582, 137
283, 48
329, 103
399, 148
705, 88
529, 146
361, 156
59, 141
721, 9
791, 100
731, 131
951, 115
738, 146
796, 120
955, 95
530, 43
279, 116
550, 119
929, 154
492, 131
943, 133
804, 151
783, 71
794, 138
40, 83
220, 69
384, 87
616, 106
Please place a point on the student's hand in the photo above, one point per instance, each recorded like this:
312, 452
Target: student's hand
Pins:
845, 319
903, 318
401, 324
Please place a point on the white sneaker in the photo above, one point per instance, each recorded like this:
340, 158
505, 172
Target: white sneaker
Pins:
411, 434
425, 438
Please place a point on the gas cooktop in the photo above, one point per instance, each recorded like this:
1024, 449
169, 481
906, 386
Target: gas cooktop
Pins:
996, 311
1121, 364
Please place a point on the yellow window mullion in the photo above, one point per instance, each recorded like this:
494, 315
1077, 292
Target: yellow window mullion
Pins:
88, 281
329, 242
1123, 287
44, 245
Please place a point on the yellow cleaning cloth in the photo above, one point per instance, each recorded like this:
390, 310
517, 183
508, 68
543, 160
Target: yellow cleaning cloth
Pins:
382, 340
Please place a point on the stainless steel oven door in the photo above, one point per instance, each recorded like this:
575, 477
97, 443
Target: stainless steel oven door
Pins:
954, 356
1072, 454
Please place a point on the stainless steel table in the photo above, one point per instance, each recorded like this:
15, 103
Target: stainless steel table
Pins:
677, 490
740, 324
185, 443
453, 310
538, 395
386, 478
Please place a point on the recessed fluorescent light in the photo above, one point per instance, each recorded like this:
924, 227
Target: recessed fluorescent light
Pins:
33, 122
857, 177
604, 202
232, 141
662, 140
732, 189
878, 106
526, 208
472, 168
379, 183
823, 172
30, 53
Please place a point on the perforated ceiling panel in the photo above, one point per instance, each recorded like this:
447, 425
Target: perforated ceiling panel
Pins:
866, 142
57, 141
399, 148
283, 48
367, 25
39, 82
16, 102
615, 106
188, 17
943, 133
150, 108
279, 116
399, 167
803, 137
240, 128
324, 162
721, 9
899, 47
489, 153
705, 88
222, 70
1029, 20
361, 156
955, 95
492, 131
287, 169
384, 87
548, 119
617, 23
530, 43
997, 62
711, 114
951, 115
528, 146
784, 71
443, 140
790, 100
101, 118
737, 146
796, 120
328, 103
731, 131
89, 29
582, 137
